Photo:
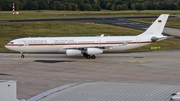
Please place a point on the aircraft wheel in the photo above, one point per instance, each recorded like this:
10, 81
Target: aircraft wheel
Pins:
22, 56
93, 56
84, 54
88, 56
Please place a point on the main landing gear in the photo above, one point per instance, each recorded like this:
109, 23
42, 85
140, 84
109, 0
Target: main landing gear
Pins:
89, 56
22, 55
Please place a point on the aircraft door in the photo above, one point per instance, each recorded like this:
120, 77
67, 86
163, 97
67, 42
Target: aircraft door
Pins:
21, 43
26, 44
99, 41
138, 41
52, 42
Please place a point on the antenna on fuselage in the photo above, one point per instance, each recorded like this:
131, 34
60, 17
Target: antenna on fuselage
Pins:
102, 35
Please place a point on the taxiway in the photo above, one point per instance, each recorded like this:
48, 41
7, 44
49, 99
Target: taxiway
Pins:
38, 73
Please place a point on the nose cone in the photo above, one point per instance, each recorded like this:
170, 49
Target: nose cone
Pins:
12, 45
6, 46
9, 46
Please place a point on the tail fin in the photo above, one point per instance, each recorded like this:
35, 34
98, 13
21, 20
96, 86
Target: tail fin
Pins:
157, 27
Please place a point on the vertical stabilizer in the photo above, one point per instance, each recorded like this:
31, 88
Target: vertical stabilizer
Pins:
157, 27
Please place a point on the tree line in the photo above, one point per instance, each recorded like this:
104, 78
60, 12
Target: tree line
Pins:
90, 5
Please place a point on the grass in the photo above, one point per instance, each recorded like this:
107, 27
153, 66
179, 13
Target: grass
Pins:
64, 14
10, 31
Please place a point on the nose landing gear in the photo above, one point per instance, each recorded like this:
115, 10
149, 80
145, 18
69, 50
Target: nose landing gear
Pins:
22, 55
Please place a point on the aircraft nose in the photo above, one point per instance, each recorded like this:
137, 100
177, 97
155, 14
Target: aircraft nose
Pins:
7, 46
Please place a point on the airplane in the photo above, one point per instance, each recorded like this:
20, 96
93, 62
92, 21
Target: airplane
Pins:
90, 46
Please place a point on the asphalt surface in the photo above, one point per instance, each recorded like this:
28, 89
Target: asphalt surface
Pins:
38, 73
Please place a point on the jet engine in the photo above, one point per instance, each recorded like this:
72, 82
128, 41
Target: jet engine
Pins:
72, 52
94, 51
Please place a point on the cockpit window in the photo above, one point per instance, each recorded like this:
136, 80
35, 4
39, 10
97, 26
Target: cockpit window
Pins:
11, 42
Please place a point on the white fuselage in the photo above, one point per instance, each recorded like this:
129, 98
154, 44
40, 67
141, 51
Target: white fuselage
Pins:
61, 44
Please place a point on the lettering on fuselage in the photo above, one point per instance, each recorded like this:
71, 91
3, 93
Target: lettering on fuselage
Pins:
45, 41
63, 41
34, 41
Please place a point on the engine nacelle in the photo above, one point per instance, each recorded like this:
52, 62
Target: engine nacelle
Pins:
94, 51
72, 52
